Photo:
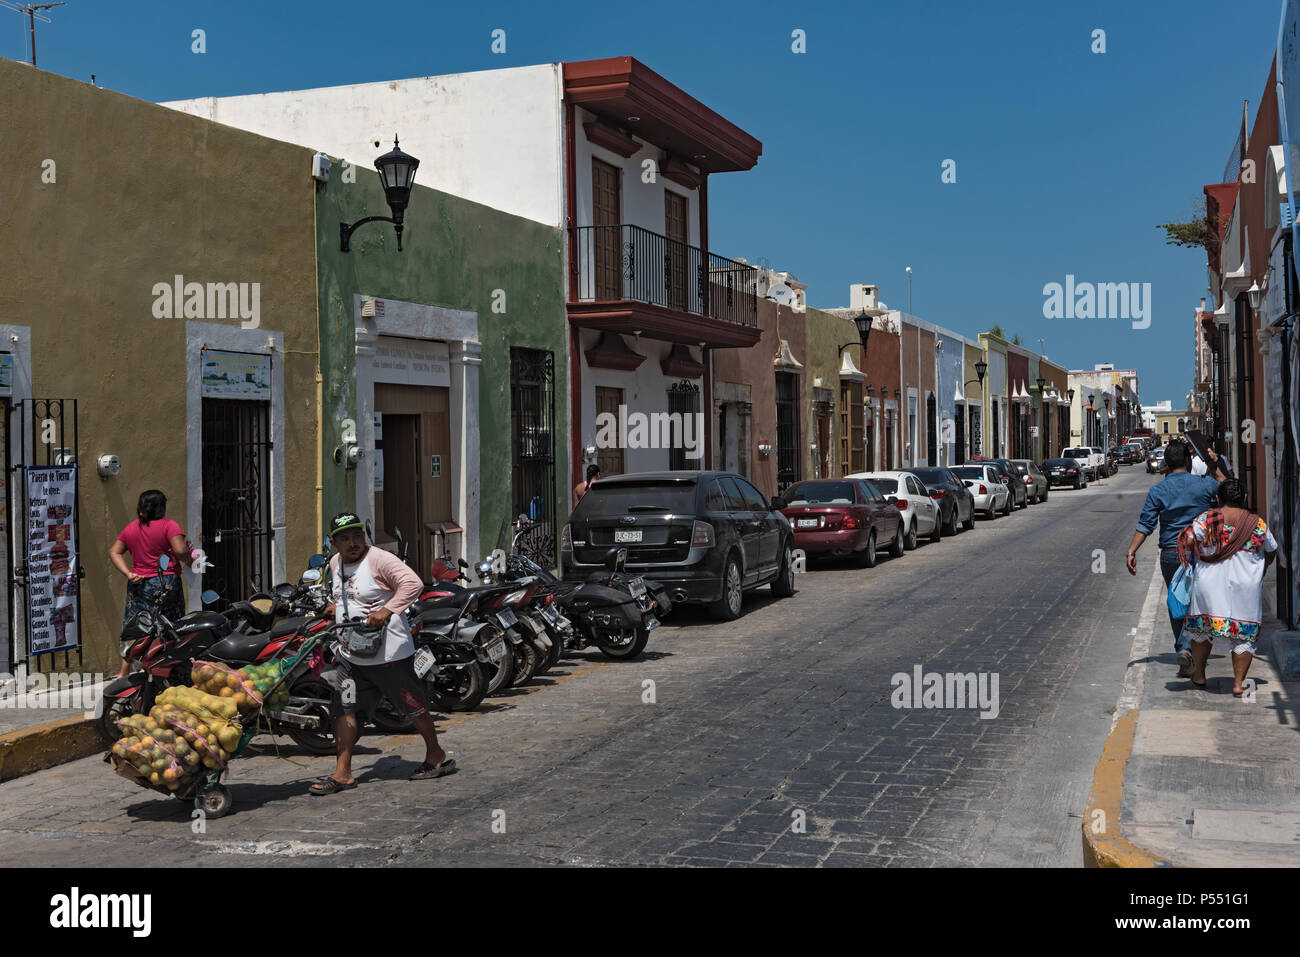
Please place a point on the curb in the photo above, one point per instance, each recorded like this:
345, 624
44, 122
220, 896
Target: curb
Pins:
47, 745
1103, 844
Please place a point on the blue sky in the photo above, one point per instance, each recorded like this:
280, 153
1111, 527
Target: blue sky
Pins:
1065, 159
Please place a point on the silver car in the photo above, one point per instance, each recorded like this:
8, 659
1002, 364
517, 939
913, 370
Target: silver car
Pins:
991, 494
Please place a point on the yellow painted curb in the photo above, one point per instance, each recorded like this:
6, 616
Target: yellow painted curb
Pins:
44, 746
1103, 845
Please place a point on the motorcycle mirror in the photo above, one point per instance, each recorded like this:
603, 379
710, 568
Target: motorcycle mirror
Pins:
210, 597
316, 561
310, 576
462, 563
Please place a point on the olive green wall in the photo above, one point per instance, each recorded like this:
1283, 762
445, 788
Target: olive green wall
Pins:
140, 194
826, 333
456, 254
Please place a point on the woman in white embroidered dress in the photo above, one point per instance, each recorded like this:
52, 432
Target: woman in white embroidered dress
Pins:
1233, 548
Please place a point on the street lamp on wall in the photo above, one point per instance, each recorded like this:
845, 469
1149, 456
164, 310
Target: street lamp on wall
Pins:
1253, 293
397, 175
863, 322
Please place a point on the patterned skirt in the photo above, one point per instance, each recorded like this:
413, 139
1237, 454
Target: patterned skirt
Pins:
1227, 634
165, 590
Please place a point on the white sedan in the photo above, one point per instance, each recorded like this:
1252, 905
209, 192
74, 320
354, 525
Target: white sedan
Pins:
907, 492
991, 494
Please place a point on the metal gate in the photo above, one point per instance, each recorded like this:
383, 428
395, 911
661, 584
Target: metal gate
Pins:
787, 430
236, 496
44, 433
532, 425
683, 401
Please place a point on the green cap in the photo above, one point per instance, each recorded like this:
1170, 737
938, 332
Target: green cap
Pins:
343, 521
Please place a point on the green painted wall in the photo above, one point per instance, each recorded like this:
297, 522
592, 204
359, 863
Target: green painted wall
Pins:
455, 254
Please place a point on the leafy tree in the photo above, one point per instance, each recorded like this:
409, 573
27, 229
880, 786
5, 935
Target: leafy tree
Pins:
998, 331
1197, 232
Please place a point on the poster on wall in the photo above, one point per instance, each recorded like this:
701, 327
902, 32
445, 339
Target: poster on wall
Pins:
236, 375
4, 537
51, 560
6, 373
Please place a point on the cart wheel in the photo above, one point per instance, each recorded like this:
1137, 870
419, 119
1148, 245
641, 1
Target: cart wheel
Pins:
216, 802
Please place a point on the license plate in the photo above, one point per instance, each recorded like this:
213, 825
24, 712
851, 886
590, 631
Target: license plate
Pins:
423, 662
496, 650
651, 623
637, 587
627, 535
507, 618
549, 614
808, 523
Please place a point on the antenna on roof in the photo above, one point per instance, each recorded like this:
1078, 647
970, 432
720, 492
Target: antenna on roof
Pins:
30, 10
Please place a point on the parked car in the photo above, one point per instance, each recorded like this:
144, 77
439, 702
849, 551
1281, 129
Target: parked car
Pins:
1125, 454
1066, 471
1156, 460
844, 516
1090, 461
906, 491
991, 494
956, 503
1010, 476
706, 536
1034, 479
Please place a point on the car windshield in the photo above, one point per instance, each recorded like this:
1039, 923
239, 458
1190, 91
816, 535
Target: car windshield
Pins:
1021, 467
1077, 453
625, 497
1059, 463
821, 493
887, 486
969, 472
931, 476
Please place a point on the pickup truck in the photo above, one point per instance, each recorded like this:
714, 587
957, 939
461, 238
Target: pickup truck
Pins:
1093, 463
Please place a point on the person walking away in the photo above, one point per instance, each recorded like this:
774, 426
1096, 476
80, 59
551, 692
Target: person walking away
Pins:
579, 490
1232, 548
377, 585
1173, 502
150, 536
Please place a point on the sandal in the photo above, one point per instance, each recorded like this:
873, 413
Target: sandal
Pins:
327, 785
427, 771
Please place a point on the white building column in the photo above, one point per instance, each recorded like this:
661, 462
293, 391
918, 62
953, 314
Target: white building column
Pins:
466, 358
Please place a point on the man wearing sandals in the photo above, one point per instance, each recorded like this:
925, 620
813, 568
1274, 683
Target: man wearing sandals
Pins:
373, 584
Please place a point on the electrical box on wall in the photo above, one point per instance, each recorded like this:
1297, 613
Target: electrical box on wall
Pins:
108, 465
320, 168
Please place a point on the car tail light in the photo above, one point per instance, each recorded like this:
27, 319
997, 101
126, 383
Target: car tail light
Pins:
937, 493
701, 535
900, 503
1071, 471
851, 521
566, 539
984, 490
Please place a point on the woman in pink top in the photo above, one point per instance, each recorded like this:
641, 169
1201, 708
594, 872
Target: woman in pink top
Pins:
148, 537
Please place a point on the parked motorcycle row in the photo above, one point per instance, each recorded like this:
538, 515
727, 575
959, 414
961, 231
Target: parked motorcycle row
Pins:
473, 640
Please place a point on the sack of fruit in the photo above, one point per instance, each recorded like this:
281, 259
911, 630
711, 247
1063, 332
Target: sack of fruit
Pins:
211, 743
265, 678
222, 681
206, 707
155, 758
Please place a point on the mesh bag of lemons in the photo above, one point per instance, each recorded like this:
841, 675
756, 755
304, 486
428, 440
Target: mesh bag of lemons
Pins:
249, 687
186, 733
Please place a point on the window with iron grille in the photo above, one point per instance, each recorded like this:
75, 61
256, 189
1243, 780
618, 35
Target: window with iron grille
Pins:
787, 429
851, 428
931, 430
684, 408
532, 427
236, 512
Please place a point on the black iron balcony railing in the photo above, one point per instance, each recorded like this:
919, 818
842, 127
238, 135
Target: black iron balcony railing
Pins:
630, 263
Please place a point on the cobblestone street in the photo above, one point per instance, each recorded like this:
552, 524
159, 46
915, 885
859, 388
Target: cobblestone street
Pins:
787, 710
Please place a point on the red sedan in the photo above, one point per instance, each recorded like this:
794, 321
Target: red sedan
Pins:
838, 517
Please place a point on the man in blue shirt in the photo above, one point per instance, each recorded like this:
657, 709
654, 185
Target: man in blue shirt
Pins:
1174, 502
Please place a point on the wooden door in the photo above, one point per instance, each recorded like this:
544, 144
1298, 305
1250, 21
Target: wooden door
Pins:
611, 461
675, 258
606, 217
428, 468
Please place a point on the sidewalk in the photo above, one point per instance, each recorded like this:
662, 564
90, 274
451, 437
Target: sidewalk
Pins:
1194, 777
32, 738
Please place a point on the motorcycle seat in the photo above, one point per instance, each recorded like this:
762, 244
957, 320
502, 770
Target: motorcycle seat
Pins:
287, 626
238, 647
442, 615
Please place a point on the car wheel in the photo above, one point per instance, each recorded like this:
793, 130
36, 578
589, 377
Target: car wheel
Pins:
992, 510
1044, 498
950, 527
783, 584
936, 533
867, 557
1006, 509
910, 541
970, 522
728, 606
899, 546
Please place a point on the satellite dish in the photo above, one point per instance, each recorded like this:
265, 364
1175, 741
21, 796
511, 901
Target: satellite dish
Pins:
780, 292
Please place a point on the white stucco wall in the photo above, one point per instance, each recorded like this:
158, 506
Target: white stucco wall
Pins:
644, 390
493, 136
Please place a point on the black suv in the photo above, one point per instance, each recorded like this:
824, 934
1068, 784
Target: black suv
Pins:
1011, 476
956, 503
706, 536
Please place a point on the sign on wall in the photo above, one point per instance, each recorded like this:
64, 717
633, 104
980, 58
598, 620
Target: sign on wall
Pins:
51, 560
6, 373
236, 375
411, 361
